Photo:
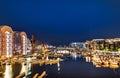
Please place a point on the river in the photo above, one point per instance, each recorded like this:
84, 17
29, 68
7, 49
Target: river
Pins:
72, 67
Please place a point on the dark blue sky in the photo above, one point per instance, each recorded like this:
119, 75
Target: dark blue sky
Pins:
63, 21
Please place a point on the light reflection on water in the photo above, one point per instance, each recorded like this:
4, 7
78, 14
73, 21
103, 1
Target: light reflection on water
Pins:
88, 59
13, 70
103, 61
26, 68
75, 57
8, 72
58, 66
78, 68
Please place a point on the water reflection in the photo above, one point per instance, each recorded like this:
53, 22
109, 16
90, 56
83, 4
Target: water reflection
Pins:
13, 70
70, 66
117, 71
88, 59
26, 67
8, 72
76, 67
58, 65
29, 69
103, 61
76, 56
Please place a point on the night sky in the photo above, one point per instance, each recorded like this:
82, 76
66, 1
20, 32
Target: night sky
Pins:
60, 22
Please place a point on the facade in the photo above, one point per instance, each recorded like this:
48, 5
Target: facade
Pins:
17, 43
88, 45
6, 41
23, 42
12, 42
29, 46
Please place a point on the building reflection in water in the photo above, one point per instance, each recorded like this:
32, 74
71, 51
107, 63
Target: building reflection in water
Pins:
88, 59
74, 56
58, 65
104, 61
8, 72
26, 67
29, 69
117, 71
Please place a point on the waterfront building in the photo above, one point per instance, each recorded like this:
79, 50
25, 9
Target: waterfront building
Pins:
6, 41
98, 44
113, 44
23, 42
29, 46
78, 45
17, 43
88, 45
103, 44
20, 43
13, 42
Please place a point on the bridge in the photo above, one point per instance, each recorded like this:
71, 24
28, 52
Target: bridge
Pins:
65, 48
